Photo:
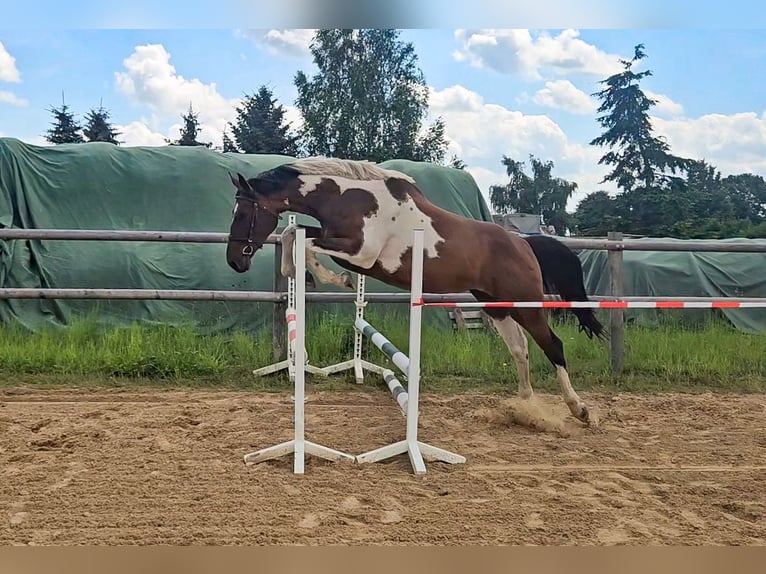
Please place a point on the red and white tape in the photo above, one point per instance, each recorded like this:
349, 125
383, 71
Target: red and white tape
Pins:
717, 304
292, 325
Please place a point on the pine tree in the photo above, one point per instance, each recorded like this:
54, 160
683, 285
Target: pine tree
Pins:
641, 157
65, 129
260, 126
190, 130
228, 144
98, 128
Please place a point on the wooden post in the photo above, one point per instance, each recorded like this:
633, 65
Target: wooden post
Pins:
278, 326
616, 316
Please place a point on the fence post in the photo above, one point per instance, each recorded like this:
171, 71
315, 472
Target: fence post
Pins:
616, 316
278, 325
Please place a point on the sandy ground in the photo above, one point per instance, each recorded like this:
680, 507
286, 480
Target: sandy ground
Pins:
154, 467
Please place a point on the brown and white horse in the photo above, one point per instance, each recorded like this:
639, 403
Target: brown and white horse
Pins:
367, 215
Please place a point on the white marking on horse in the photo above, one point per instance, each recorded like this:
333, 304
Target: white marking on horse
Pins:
517, 344
387, 233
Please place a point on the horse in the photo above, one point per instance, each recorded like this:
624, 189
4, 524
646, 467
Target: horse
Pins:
367, 215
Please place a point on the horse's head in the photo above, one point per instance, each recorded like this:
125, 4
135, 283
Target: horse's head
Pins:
258, 203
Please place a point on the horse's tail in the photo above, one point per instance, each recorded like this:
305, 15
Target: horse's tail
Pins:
562, 274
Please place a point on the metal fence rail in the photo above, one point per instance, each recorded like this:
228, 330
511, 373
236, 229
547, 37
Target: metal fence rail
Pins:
615, 245
121, 235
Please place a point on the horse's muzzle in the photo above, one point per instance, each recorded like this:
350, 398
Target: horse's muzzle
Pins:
240, 265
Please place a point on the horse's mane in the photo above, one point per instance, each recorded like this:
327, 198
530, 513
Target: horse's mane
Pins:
352, 169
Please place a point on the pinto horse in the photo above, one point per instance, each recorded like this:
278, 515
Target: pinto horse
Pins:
367, 215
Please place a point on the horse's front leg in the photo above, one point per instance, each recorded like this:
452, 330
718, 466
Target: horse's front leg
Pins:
287, 238
313, 266
363, 256
325, 275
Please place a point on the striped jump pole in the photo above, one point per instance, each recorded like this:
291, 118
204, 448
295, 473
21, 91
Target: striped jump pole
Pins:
298, 446
416, 449
397, 357
379, 340
289, 363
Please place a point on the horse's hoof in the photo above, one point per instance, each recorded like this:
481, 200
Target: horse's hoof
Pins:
288, 271
584, 415
347, 282
310, 282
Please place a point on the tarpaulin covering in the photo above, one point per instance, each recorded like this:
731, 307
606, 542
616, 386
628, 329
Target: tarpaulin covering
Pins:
685, 274
172, 188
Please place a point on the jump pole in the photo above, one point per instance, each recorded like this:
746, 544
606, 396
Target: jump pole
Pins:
289, 363
417, 450
298, 446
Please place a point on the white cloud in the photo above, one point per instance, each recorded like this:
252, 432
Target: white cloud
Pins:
12, 99
562, 94
733, 143
150, 79
518, 52
293, 117
137, 133
481, 133
8, 70
665, 107
294, 42
36, 140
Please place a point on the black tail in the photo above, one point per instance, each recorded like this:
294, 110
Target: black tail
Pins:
562, 274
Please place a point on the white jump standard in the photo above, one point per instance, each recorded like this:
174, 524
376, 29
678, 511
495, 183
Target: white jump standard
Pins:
357, 363
410, 367
299, 446
289, 362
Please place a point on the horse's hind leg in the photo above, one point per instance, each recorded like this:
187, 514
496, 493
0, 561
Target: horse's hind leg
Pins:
533, 320
516, 341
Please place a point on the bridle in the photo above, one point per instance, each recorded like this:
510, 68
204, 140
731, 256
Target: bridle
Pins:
250, 245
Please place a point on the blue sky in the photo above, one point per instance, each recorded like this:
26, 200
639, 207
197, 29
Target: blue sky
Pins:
511, 92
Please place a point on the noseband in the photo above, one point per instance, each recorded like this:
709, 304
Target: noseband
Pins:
250, 244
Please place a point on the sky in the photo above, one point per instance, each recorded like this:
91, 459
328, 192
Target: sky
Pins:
512, 92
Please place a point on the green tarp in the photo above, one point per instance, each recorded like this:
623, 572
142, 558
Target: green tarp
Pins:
685, 274
102, 186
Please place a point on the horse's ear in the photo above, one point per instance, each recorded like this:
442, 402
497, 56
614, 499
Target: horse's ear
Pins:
234, 181
243, 185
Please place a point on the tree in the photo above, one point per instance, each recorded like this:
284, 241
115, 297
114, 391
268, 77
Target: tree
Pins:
641, 157
456, 162
597, 214
65, 129
260, 126
98, 128
228, 143
702, 206
749, 189
541, 194
190, 130
368, 99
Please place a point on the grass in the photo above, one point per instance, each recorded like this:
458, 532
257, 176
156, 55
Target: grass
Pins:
712, 357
